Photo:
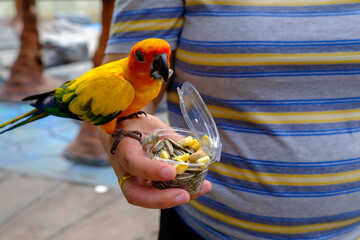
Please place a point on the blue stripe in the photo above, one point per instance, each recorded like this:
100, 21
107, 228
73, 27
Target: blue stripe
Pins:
279, 221
288, 133
119, 38
215, 233
311, 194
174, 32
174, 85
268, 69
150, 13
268, 43
283, 167
267, 49
276, 106
267, 75
323, 235
265, 188
272, 11
280, 106
316, 129
246, 48
192, 222
269, 163
287, 102
261, 14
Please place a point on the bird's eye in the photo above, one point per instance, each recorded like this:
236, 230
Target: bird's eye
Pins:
139, 56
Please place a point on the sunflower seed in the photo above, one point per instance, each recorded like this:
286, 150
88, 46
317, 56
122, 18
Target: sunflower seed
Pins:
185, 175
176, 144
178, 152
189, 150
168, 146
158, 146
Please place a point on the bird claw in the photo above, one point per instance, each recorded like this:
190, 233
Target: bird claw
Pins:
132, 116
119, 134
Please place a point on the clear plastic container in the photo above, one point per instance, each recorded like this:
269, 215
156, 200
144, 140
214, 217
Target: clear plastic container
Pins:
200, 123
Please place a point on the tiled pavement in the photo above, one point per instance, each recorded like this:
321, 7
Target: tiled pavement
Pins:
36, 208
37, 148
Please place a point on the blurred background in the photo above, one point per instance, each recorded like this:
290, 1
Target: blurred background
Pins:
55, 179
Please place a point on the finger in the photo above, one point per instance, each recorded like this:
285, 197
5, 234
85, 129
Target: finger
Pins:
138, 164
138, 194
206, 187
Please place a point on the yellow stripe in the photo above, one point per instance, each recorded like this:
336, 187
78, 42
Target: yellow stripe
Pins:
269, 2
286, 118
267, 59
145, 25
286, 179
280, 118
259, 227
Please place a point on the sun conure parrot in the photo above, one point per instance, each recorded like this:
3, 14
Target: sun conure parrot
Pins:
108, 93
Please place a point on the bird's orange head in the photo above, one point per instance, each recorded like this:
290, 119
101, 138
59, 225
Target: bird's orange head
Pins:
150, 60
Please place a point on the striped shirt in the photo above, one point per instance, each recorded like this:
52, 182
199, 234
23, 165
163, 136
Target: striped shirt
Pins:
282, 80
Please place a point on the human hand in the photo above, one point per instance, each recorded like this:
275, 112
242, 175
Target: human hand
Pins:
130, 158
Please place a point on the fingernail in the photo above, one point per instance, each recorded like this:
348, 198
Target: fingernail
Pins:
167, 172
181, 199
206, 189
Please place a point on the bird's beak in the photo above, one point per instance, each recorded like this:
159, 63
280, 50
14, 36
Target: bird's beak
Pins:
160, 67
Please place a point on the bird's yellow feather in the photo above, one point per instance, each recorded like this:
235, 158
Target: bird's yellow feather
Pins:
93, 93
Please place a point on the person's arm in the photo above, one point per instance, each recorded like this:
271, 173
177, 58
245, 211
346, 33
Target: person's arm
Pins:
127, 29
130, 158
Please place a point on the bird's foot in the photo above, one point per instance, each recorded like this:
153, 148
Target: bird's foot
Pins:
132, 115
119, 134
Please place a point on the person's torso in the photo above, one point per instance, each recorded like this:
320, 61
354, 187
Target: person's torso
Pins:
282, 80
